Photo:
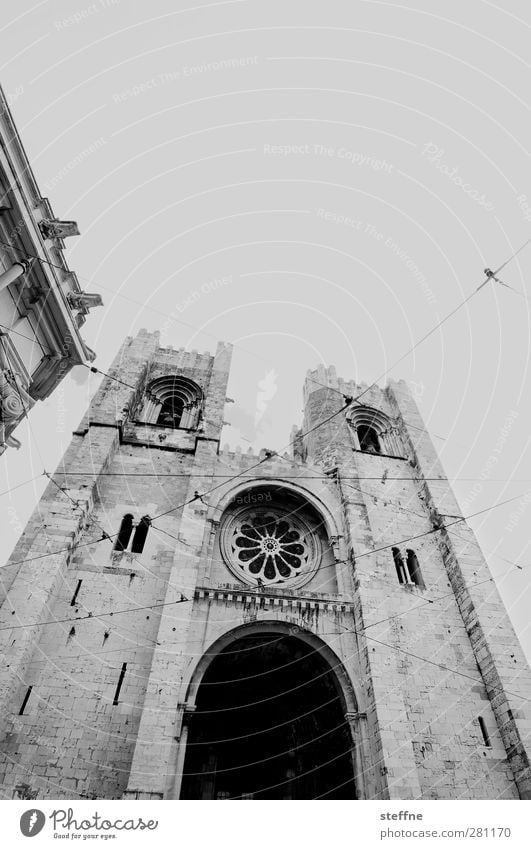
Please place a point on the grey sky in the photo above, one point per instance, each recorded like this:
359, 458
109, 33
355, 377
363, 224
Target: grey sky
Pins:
311, 181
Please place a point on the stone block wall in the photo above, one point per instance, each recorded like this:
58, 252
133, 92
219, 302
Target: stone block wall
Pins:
421, 664
428, 675
71, 740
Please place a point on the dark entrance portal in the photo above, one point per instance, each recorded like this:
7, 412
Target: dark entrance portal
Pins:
269, 724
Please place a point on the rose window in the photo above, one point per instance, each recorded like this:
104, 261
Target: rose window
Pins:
269, 546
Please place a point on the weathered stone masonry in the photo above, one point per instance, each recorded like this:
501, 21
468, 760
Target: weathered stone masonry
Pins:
413, 724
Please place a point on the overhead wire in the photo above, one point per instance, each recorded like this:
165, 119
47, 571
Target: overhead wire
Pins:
489, 276
95, 370
107, 536
426, 336
324, 476
441, 322
362, 554
261, 461
369, 625
348, 561
93, 615
254, 466
75, 505
19, 393
19, 485
16, 332
125, 297
412, 512
434, 663
442, 526
176, 507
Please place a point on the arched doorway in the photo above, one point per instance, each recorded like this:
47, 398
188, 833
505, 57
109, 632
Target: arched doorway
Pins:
269, 723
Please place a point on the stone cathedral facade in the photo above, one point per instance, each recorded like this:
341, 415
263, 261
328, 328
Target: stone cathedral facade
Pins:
185, 622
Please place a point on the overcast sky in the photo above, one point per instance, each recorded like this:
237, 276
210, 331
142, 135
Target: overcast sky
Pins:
314, 182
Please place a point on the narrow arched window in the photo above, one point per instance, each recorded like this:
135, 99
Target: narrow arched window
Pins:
399, 566
415, 575
124, 534
173, 401
171, 412
484, 732
368, 439
139, 538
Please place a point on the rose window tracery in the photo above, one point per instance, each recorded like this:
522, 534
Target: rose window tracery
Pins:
270, 546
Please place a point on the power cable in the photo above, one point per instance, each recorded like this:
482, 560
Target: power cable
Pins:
95, 370
507, 261
259, 463
126, 298
362, 554
95, 653
512, 562
426, 602
391, 545
198, 496
312, 379
75, 504
348, 400
441, 527
19, 393
184, 599
16, 332
178, 506
347, 562
434, 663
93, 615
324, 476
18, 485
488, 276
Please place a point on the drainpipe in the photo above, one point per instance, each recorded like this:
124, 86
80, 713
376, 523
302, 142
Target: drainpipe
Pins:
19, 267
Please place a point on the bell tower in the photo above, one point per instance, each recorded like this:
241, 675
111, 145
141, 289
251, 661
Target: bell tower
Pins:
180, 620
447, 684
